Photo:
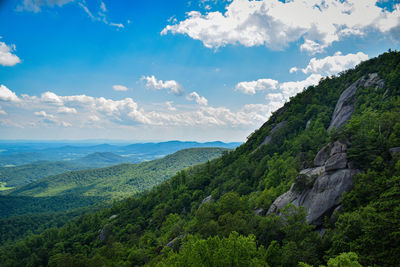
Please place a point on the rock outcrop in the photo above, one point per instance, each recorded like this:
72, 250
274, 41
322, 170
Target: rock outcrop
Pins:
331, 181
276, 128
320, 189
346, 103
206, 200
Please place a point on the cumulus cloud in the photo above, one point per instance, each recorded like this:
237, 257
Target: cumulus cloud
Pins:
43, 114
7, 58
50, 97
36, 5
67, 110
201, 100
284, 90
172, 86
333, 64
290, 89
2, 112
120, 87
169, 105
100, 112
276, 23
8, 95
252, 87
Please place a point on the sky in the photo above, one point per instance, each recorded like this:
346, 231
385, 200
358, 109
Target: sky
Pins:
156, 70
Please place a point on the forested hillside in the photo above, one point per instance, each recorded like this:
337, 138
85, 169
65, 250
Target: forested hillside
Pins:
118, 181
53, 200
227, 212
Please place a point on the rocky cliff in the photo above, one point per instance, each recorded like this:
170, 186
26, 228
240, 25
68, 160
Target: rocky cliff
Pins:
319, 189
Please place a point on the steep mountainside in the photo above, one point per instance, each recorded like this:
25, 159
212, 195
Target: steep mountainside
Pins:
232, 211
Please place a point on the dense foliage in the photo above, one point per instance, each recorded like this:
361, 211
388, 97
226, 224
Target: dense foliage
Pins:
27, 173
172, 226
117, 181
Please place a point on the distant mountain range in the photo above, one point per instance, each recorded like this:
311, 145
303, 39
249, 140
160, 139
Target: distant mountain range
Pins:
120, 180
12, 154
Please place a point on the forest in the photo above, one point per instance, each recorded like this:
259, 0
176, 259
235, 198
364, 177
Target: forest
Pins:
215, 214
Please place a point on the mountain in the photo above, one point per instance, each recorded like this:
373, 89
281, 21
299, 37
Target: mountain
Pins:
12, 154
318, 183
14, 176
117, 181
100, 159
27, 173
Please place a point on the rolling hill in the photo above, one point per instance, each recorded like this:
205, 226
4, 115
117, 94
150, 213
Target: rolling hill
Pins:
117, 181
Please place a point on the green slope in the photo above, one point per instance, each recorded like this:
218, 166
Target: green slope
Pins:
120, 180
25, 174
169, 226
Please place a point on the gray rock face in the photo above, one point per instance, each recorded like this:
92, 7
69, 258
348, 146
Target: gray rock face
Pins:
334, 178
258, 211
322, 156
325, 194
206, 200
338, 147
175, 241
336, 162
345, 105
276, 128
313, 171
112, 217
308, 123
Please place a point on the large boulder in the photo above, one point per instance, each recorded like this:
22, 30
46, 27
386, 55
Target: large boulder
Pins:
319, 189
321, 199
336, 162
338, 147
322, 156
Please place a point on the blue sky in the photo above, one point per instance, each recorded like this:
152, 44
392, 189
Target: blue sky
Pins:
161, 70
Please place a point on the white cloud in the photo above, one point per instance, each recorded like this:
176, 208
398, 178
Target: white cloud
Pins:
103, 6
43, 114
120, 87
333, 64
290, 89
101, 14
275, 97
8, 95
252, 87
50, 97
66, 110
7, 58
171, 86
118, 25
36, 5
284, 90
99, 112
201, 100
2, 112
276, 23
169, 105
